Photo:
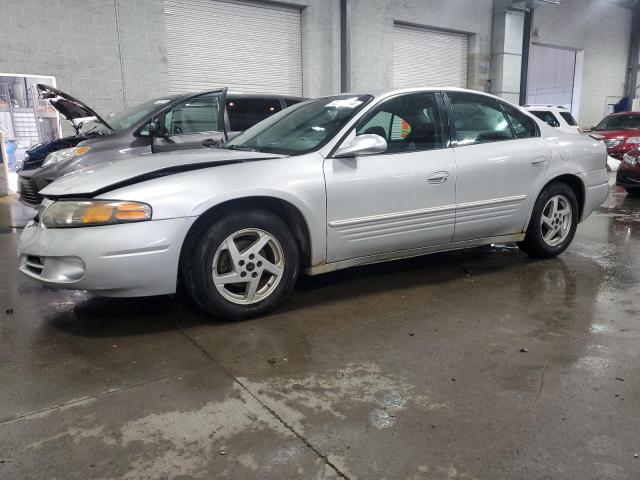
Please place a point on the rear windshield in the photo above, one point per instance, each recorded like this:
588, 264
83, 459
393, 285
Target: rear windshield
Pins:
568, 118
546, 117
622, 121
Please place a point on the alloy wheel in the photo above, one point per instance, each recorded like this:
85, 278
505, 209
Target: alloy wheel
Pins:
248, 266
556, 220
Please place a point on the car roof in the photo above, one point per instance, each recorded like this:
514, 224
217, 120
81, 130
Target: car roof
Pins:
549, 107
236, 94
379, 93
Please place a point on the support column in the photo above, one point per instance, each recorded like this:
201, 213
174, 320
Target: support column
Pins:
507, 51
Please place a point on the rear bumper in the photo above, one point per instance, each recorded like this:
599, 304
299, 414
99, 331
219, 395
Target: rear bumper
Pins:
596, 191
137, 259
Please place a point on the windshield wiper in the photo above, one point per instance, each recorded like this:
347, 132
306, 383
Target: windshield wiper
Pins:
240, 149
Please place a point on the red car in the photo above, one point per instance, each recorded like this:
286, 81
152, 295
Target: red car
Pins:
620, 132
628, 175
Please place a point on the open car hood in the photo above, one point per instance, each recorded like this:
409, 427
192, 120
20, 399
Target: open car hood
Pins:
70, 108
97, 179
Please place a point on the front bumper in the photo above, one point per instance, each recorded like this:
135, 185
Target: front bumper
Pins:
30, 182
628, 176
618, 151
127, 260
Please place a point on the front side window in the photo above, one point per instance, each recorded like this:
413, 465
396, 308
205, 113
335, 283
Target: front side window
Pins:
478, 119
195, 115
523, 126
246, 112
407, 122
569, 118
302, 128
547, 117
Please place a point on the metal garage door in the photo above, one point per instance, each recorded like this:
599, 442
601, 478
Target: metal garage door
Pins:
245, 46
428, 58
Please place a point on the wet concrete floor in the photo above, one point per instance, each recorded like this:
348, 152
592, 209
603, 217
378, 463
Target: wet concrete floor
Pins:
480, 364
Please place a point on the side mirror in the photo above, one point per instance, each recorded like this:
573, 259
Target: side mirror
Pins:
153, 129
367, 144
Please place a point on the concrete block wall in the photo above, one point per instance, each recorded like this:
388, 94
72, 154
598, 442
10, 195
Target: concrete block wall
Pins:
602, 30
371, 33
76, 41
320, 47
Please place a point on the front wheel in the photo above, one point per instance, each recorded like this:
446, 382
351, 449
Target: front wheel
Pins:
242, 265
553, 222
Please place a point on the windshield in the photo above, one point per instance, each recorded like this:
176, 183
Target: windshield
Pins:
124, 119
302, 128
623, 121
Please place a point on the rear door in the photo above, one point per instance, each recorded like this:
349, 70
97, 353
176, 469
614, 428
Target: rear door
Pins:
501, 161
196, 122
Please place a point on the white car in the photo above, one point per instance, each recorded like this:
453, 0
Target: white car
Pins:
323, 185
555, 116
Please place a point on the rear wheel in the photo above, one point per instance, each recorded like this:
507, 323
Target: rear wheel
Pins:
244, 264
553, 222
633, 192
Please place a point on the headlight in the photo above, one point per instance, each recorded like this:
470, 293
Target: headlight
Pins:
634, 140
631, 159
90, 213
65, 154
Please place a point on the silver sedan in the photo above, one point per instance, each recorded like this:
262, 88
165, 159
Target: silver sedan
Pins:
323, 185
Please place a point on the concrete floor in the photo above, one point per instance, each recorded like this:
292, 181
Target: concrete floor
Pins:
406, 370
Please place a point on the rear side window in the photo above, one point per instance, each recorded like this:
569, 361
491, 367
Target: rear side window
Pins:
547, 117
523, 126
478, 119
569, 118
246, 112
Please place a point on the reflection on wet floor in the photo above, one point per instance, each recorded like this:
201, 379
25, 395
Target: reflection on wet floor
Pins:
472, 364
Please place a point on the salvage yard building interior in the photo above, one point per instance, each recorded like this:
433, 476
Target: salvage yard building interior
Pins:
498, 358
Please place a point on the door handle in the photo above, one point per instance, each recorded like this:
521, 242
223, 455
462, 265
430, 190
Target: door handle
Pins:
438, 177
539, 161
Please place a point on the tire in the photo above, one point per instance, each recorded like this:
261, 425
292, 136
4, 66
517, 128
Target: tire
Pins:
633, 192
540, 240
211, 255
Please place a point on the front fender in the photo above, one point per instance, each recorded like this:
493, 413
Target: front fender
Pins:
299, 181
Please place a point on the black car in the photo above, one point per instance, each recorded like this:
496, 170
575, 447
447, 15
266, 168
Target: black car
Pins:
173, 122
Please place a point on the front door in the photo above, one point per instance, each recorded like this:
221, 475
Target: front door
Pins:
501, 161
399, 200
195, 123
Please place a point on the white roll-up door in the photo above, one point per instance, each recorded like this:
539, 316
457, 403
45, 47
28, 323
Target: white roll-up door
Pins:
426, 58
242, 45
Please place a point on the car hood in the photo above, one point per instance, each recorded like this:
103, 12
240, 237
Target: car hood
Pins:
91, 181
70, 108
623, 132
